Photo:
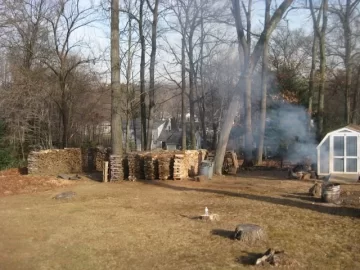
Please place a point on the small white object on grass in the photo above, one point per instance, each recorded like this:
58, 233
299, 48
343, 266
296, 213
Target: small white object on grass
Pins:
206, 211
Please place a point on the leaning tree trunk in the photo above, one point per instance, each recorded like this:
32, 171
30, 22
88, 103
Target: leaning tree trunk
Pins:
251, 62
116, 129
224, 135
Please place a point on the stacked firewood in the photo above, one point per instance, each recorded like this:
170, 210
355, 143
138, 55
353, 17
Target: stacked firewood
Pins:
192, 161
165, 161
180, 171
116, 168
151, 166
136, 166
68, 160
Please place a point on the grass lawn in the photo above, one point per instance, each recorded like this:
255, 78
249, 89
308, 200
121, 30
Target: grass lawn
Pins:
150, 225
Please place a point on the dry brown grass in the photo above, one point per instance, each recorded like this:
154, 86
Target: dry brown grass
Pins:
150, 225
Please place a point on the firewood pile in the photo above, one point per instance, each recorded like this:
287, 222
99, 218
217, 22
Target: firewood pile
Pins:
180, 170
55, 161
230, 164
192, 160
136, 166
151, 166
165, 162
100, 155
116, 168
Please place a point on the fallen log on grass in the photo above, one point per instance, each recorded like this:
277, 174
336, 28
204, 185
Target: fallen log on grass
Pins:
271, 256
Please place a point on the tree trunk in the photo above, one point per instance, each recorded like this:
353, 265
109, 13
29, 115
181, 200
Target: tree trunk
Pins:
347, 62
142, 80
183, 94
322, 71
246, 84
260, 148
312, 78
64, 115
191, 95
116, 129
224, 135
128, 97
152, 72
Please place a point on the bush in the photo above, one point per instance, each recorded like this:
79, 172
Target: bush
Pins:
6, 159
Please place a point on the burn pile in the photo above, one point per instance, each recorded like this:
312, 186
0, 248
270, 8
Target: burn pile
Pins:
303, 170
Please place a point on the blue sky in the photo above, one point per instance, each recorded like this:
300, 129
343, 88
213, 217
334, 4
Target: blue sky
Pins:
98, 34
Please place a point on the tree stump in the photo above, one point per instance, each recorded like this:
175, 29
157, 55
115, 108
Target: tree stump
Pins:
316, 190
249, 233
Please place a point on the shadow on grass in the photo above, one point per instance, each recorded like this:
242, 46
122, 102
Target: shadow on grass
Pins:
95, 176
333, 210
249, 259
302, 197
223, 233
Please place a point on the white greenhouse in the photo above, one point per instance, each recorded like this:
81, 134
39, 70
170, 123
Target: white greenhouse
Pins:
338, 152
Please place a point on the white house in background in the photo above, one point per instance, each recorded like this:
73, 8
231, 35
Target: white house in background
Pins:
339, 152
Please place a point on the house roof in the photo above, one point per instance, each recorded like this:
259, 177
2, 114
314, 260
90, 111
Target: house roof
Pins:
353, 127
170, 136
348, 128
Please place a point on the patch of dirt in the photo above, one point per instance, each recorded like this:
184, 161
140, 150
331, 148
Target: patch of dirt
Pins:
13, 182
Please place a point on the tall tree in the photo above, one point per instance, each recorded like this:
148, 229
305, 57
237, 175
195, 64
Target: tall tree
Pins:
65, 19
345, 15
264, 70
322, 50
116, 128
154, 11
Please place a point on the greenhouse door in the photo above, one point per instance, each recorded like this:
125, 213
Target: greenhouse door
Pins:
345, 154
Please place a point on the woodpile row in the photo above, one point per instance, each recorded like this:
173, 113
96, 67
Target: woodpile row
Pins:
51, 162
162, 165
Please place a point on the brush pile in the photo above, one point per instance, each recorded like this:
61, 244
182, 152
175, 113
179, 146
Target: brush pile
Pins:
55, 161
116, 168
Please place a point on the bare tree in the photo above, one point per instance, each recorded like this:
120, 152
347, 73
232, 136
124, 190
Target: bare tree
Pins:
155, 13
249, 62
65, 18
321, 37
116, 125
264, 69
345, 14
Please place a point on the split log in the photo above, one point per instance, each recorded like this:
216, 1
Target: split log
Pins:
272, 257
249, 233
210, 217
